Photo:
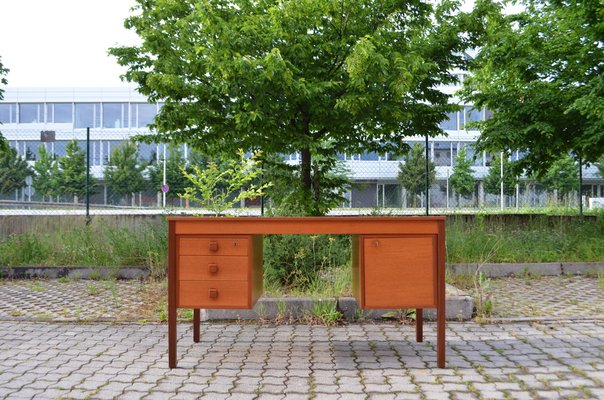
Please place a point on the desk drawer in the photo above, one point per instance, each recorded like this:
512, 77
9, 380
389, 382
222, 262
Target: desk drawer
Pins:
208, 245
205, 294
398, 272
213, 268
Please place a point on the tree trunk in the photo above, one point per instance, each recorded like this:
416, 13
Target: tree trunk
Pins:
305, 169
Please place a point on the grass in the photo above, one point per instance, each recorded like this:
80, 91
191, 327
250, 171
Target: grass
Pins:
331, 282
100, 246
537, 239
323, 312
479, 239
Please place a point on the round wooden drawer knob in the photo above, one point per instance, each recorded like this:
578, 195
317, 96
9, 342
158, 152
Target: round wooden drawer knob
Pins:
212, 268
213, 246
213, 293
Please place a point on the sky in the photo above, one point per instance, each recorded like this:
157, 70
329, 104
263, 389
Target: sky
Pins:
63, 43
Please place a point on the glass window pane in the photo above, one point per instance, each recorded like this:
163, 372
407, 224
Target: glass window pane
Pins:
85, 115
63, 113
59, 147
370, 156
113, 116
450, 124
146, 113
28, 113
6, 113
442, 153
472, 114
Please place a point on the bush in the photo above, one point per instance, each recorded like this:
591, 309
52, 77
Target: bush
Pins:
297, 261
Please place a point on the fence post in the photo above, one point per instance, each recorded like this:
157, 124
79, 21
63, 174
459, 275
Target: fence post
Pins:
88, 176
262, 183
427, 179
580, 186
501, 200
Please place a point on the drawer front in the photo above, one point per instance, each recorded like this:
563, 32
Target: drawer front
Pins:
204, 294
399, 272
213, 268
208, 245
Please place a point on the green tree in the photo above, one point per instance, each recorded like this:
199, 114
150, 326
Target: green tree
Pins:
72, 172
13, 171
3, 71
412, 173
175, 180
124, 173
288, 195
286, 76
46, 172
562, 176
218, 188
541, 73
462, 179
492, 182
600, 166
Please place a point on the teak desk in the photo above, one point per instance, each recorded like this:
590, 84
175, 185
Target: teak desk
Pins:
398, 262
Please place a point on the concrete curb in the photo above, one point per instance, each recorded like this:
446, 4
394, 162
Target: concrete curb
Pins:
459, 307
73, 272
492, 270
500, 270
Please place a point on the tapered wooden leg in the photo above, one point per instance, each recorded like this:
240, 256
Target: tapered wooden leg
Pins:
196, 323
171, 336
440, 339
419, 324
441, 298
171, 295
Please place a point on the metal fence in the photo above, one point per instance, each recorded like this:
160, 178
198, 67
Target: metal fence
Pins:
376, 186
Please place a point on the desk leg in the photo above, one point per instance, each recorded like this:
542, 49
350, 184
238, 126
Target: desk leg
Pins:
419, 325
196, 322
440, 340
171, 336
171, 295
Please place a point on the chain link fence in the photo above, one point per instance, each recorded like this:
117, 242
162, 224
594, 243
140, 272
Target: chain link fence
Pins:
49, 168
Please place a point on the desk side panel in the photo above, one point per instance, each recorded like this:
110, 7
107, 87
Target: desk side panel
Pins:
256, 270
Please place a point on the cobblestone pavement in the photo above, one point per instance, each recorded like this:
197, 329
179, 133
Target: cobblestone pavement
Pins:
250, 361
529, 360
80, 300
547, 296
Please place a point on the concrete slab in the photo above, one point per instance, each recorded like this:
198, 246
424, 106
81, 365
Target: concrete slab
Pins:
459, 307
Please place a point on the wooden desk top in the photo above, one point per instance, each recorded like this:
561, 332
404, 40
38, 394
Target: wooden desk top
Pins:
355, 225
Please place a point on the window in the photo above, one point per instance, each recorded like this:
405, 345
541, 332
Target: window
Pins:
472, 115
352, 157
115, 115
31, 113
442, 153
8, 113
372, 156
59, 147
389, 195
142, 114
147, 152
450, 124
87, 115
59, 113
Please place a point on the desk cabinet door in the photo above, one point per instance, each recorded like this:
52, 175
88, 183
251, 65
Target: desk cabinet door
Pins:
399, 272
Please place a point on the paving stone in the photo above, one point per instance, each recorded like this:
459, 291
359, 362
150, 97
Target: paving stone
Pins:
504, 358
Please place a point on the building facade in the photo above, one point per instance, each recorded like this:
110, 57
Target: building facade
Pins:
116, 114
